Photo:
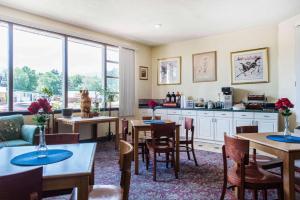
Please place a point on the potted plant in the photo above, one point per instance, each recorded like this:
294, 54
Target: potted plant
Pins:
152, 104
284, 106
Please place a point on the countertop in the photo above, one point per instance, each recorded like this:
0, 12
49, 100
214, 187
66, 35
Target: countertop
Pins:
215, 109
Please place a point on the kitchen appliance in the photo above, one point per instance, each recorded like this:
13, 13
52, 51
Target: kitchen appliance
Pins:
227, 97
256, 102
186, 103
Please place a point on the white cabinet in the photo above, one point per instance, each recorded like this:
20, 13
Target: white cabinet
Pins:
205, 128
162, 113
222, 125
267, 126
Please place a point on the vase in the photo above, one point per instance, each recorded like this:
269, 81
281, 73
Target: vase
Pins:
153, 114
42, 147
286, 131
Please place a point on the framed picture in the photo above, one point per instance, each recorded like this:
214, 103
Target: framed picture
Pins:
169, 71
250, 66
205, 67
143, 73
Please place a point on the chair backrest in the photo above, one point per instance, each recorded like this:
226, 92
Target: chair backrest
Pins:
150, 117
188, 123
166, 130
126, 151
125, 128
246, 129
59, 138
24, 185
236, 149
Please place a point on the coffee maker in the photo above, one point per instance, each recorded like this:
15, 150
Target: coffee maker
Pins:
227, 97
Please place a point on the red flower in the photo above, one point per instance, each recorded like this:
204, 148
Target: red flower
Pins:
152, 104
283, 104
34, 108
45, 105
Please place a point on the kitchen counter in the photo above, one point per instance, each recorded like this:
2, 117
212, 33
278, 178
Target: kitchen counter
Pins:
205, 109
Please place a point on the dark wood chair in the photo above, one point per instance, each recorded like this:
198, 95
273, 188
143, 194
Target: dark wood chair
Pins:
262, 161
22, 186
112, 192
125, 136
150, 117
187, 143
59, 138
162, 141
246, 175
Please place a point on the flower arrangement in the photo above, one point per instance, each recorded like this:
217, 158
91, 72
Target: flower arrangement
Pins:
152, 104
284, 106
41, 109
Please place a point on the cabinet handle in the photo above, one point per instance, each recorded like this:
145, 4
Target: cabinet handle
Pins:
266, 116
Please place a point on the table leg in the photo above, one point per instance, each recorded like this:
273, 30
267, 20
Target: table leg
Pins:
289, 177
83, 188
55, 124
117, 134
177, 152
135, 132
75, 128
95, 131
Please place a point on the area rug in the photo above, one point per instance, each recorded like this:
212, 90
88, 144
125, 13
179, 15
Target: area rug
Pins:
195, 183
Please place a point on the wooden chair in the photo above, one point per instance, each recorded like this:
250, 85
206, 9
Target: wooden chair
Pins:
22, 186
264, 162
59, 138
150, 117
125, 133
112, 192
244, 175
162, 141
187, 143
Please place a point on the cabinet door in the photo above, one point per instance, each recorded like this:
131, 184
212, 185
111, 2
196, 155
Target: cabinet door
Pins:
241, 122
178, 120
222, 125
267, 126
205, 128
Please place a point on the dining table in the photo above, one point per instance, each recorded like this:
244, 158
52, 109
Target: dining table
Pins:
139, 126
75, 171
287, 152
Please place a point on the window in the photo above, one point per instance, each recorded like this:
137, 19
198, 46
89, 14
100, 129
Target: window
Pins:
3, 67
112, 72
37, 65
85, 70
32, 59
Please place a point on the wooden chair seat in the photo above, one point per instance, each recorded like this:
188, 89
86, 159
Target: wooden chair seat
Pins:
162, 147
255, 177
105, 192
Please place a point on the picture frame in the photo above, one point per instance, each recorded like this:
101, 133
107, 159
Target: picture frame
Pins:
169, 71
250, 66
143, 73
205, 67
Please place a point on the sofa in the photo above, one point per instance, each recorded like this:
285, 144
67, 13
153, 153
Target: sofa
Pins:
13, 131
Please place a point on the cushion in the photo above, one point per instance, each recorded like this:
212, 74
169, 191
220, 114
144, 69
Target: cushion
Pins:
10, 127
12, 143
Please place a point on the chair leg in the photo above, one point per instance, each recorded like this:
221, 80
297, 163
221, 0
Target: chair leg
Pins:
167, 160
194, 156
255, 194
280, 193
143, 153
173, 163
154, 166
224, 189
147, 158
241, 193
187, 151
265, 194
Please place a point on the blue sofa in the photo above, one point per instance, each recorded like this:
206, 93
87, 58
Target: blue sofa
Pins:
13, 131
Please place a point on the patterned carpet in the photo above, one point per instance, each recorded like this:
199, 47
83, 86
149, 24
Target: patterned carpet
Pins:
195, 183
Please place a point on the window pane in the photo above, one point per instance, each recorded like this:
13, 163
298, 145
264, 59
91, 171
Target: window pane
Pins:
112, 53
85, 69
37, 65
113, 84
112, 69
115, 103
3, 67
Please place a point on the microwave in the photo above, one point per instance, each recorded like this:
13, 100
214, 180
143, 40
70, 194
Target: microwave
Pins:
189, 104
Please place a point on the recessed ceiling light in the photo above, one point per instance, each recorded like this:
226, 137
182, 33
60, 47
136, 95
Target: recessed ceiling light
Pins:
157, 25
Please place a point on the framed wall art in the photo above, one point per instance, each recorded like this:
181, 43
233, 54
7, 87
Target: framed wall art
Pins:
169, 71
143, 73
205, 67
250, 66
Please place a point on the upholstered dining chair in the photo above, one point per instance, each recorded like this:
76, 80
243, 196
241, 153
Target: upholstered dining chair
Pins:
25, 185
262, 161
125, 136
187, 143
112, 192
59, 138
162, 141
243, 174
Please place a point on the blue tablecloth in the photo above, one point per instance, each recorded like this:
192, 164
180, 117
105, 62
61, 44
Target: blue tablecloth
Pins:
154, 121
282, 138
31, 158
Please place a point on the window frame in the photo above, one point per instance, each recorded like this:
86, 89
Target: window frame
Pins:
65, 66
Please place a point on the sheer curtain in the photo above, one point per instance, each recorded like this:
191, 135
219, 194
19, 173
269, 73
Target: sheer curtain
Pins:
127, 82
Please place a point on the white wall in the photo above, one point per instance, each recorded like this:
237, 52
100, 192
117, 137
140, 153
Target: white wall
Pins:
258, 37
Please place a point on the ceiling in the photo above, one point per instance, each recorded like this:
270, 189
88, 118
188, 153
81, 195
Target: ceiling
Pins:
180, 19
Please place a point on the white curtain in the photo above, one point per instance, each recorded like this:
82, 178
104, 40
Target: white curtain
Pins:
127, 82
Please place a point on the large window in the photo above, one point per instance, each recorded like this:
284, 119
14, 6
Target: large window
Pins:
3, 67
60, 63
37, 64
